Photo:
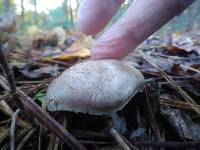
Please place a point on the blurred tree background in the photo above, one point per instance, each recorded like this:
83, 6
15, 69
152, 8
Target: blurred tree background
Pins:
41, 14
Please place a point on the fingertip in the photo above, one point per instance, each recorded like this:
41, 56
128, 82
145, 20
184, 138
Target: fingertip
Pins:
105, 51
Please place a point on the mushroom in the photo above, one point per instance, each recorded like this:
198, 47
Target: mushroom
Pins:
94, 87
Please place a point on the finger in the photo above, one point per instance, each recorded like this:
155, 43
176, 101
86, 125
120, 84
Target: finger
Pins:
141, 20
93, 15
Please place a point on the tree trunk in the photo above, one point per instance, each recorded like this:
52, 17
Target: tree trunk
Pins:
35, 11
22, 15
6, 5
78, 4
66, 10
71, 13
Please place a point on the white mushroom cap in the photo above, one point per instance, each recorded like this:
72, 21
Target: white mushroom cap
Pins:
94, 87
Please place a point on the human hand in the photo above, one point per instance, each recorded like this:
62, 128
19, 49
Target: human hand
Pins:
141, 20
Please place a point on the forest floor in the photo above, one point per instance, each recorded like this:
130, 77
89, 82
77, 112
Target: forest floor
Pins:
164, 116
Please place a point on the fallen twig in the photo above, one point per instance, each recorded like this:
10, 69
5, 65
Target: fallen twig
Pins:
96, 143
173, 83
190, 68
129, 143
8, 112
175, 57
19, 133
30, 133
46, 119
119, 140
152, 118
12, 130
10, 77
169, 144
35, 110
177, 104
